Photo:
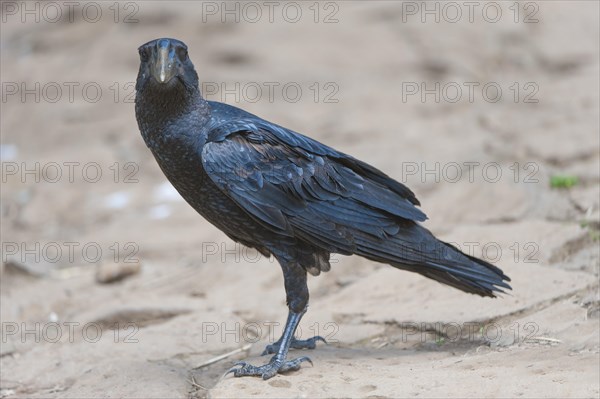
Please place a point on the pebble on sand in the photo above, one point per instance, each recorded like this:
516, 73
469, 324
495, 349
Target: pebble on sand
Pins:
112, 272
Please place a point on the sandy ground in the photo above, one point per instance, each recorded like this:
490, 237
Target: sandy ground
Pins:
199, 303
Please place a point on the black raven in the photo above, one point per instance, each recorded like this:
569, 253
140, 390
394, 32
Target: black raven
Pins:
285, 194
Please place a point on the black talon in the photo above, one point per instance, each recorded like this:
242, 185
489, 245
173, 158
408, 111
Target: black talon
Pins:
294, 365
231, 370
270, 369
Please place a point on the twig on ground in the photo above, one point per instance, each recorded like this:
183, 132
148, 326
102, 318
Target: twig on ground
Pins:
545, 339
216, 359
195, 384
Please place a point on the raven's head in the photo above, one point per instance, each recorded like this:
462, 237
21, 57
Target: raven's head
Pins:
164, 64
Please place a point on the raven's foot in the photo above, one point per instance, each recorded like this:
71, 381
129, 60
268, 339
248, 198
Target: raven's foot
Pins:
268, 370
310, 343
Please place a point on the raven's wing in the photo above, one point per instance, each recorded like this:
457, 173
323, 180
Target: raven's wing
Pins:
299, 187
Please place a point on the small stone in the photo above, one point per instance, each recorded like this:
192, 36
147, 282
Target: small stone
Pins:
111, 272
280, 383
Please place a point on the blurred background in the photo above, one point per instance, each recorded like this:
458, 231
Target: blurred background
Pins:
112, 286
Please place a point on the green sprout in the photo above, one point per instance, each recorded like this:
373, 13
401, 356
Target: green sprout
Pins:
564, 181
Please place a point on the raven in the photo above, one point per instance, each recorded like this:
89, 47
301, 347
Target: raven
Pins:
285, 194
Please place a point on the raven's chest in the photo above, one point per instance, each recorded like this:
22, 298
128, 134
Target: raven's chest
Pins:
186, 172
178, 157
181, 164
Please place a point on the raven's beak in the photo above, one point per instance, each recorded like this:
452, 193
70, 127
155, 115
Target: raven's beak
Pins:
164, 67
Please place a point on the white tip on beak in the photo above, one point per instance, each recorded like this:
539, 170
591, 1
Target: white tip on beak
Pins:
164, 65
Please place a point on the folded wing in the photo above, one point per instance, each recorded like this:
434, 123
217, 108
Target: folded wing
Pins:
299, 187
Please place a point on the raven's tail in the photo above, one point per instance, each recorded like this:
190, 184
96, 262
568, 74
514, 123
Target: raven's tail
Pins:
419, 251
465, 272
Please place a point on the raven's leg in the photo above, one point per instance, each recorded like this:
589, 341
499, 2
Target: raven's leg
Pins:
297, 299
310, 343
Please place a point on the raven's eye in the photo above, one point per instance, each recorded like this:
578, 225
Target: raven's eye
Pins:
144, 56
182, 53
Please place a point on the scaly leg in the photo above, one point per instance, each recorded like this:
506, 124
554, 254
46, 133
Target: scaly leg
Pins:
310, 343
297, 299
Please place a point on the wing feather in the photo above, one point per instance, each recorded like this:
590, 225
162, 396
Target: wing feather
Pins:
299, 187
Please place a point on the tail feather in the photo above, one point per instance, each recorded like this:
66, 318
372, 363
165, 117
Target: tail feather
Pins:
420, 252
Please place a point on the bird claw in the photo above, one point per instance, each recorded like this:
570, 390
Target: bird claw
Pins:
268, 370
310, 343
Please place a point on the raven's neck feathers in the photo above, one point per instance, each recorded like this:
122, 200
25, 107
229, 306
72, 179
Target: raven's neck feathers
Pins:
164, 114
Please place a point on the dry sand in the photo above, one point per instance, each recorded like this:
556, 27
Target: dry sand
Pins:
197, 296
